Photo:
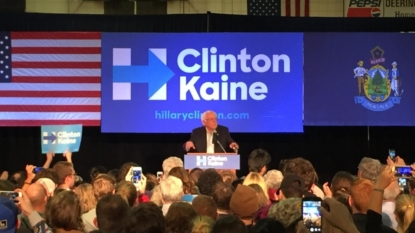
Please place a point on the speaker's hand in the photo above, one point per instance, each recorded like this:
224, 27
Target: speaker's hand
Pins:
190, 145
234, 146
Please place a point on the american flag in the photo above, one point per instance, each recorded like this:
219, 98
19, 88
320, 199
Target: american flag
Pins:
264, 7
50, 78
295, 8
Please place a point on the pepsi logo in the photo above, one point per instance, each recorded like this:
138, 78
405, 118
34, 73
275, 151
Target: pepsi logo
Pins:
376, 12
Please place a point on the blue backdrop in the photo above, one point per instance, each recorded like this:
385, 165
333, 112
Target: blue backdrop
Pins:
331, 88
136, 67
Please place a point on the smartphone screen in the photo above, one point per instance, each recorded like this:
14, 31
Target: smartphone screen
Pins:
159, 175
37, 169
9, 194
136, 175
403, 171
402, 183
311, 215
392, 153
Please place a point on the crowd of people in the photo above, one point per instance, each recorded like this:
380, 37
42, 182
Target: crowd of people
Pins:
206, 201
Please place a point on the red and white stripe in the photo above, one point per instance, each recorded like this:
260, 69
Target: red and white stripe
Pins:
56, 79
295, 8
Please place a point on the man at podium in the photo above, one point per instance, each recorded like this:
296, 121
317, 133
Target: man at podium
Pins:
211, 137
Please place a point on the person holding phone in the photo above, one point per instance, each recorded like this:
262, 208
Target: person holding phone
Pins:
392, 154
135, 175
311, 213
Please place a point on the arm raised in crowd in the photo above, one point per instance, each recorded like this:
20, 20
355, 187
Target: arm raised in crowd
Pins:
4, 175
30, 176
36, 221
374, 214
68, 155
49, 158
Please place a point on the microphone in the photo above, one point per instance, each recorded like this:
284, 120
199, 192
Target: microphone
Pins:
215, 135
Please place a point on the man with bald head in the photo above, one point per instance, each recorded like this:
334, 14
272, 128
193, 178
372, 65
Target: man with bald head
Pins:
211, 137
38, 197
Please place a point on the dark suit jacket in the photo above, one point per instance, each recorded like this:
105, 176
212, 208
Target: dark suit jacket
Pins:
362, 223
199, 139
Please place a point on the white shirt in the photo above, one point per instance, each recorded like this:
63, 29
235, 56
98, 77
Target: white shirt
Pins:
210, 147
88, 219
388, 208
360, 71
165, 208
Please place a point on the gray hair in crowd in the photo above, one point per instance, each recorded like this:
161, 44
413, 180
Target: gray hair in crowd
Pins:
170, 163
273, 179
171, 189
370, 168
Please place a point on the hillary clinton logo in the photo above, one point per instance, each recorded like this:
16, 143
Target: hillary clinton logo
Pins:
201, 160
378, 87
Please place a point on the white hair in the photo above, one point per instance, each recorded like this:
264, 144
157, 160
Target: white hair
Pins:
171, 162
370, 168
203, 118
171, 189
273, 179
392, 191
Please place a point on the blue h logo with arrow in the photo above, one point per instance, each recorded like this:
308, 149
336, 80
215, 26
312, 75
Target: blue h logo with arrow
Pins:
201, 160
156, 74
52, 138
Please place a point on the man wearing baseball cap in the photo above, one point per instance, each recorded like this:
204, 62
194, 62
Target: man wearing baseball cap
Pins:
8, 216
36, 221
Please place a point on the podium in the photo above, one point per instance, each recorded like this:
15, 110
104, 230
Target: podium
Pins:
218, 161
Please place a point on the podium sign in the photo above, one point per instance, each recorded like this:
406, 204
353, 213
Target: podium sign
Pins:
219, 161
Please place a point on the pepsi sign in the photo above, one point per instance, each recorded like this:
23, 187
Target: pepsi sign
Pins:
363, 8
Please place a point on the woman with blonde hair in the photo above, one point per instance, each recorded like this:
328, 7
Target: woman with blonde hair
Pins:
127, 191
256, 178
86, 197
188, 185
189, 188
263, 205
260, 194
202, 224
404, 211
156, 197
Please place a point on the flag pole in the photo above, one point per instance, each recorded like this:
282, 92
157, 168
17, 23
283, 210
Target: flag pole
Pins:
208, 20
368, 141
